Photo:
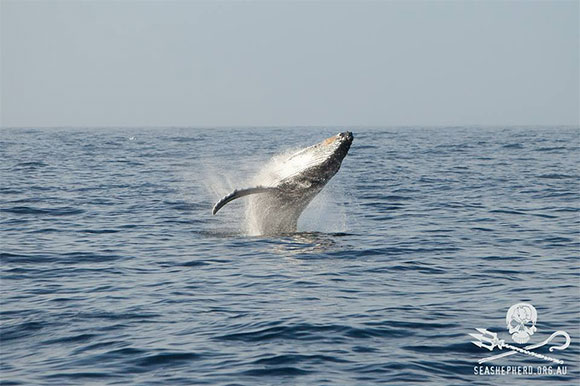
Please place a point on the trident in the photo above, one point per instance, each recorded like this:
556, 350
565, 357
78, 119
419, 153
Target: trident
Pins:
492, 339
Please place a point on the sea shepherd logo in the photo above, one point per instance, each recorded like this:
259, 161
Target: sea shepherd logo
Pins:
521, 321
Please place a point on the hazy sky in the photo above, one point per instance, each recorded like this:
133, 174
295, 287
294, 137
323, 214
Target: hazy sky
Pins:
191, 63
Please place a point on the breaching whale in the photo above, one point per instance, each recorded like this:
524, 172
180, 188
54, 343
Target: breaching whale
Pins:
288, 184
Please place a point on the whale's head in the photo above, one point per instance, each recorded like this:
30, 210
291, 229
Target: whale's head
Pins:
315, 165
337, 146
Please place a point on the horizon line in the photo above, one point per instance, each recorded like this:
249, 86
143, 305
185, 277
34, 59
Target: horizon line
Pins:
206, 127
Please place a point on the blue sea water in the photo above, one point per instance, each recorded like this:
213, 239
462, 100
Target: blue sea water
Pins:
114, 271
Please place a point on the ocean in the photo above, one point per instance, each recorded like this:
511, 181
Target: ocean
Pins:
114, 271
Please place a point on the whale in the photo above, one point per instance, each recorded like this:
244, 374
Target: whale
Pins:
287, 184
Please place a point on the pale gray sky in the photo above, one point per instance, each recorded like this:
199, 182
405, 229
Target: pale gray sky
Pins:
192, 63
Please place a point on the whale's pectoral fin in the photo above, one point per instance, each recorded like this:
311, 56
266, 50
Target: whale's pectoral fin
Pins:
241, 193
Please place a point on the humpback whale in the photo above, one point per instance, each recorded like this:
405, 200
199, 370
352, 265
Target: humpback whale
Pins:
287, 185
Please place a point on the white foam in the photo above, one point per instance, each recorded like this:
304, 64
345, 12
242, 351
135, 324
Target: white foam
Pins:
326, 213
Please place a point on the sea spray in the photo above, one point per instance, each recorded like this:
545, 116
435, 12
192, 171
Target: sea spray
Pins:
287, 185
327, 212
219, 178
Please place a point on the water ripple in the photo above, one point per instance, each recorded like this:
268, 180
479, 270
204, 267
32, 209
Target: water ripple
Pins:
114, 271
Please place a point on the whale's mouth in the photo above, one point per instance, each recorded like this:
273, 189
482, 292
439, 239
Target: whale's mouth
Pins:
340, 137
331, 147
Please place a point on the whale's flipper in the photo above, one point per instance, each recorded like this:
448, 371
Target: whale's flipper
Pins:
241, 193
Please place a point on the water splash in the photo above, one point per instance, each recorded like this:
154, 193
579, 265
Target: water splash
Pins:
268, 175
326, 213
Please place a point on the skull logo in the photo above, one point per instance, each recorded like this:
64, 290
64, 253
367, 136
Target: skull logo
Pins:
521, 321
